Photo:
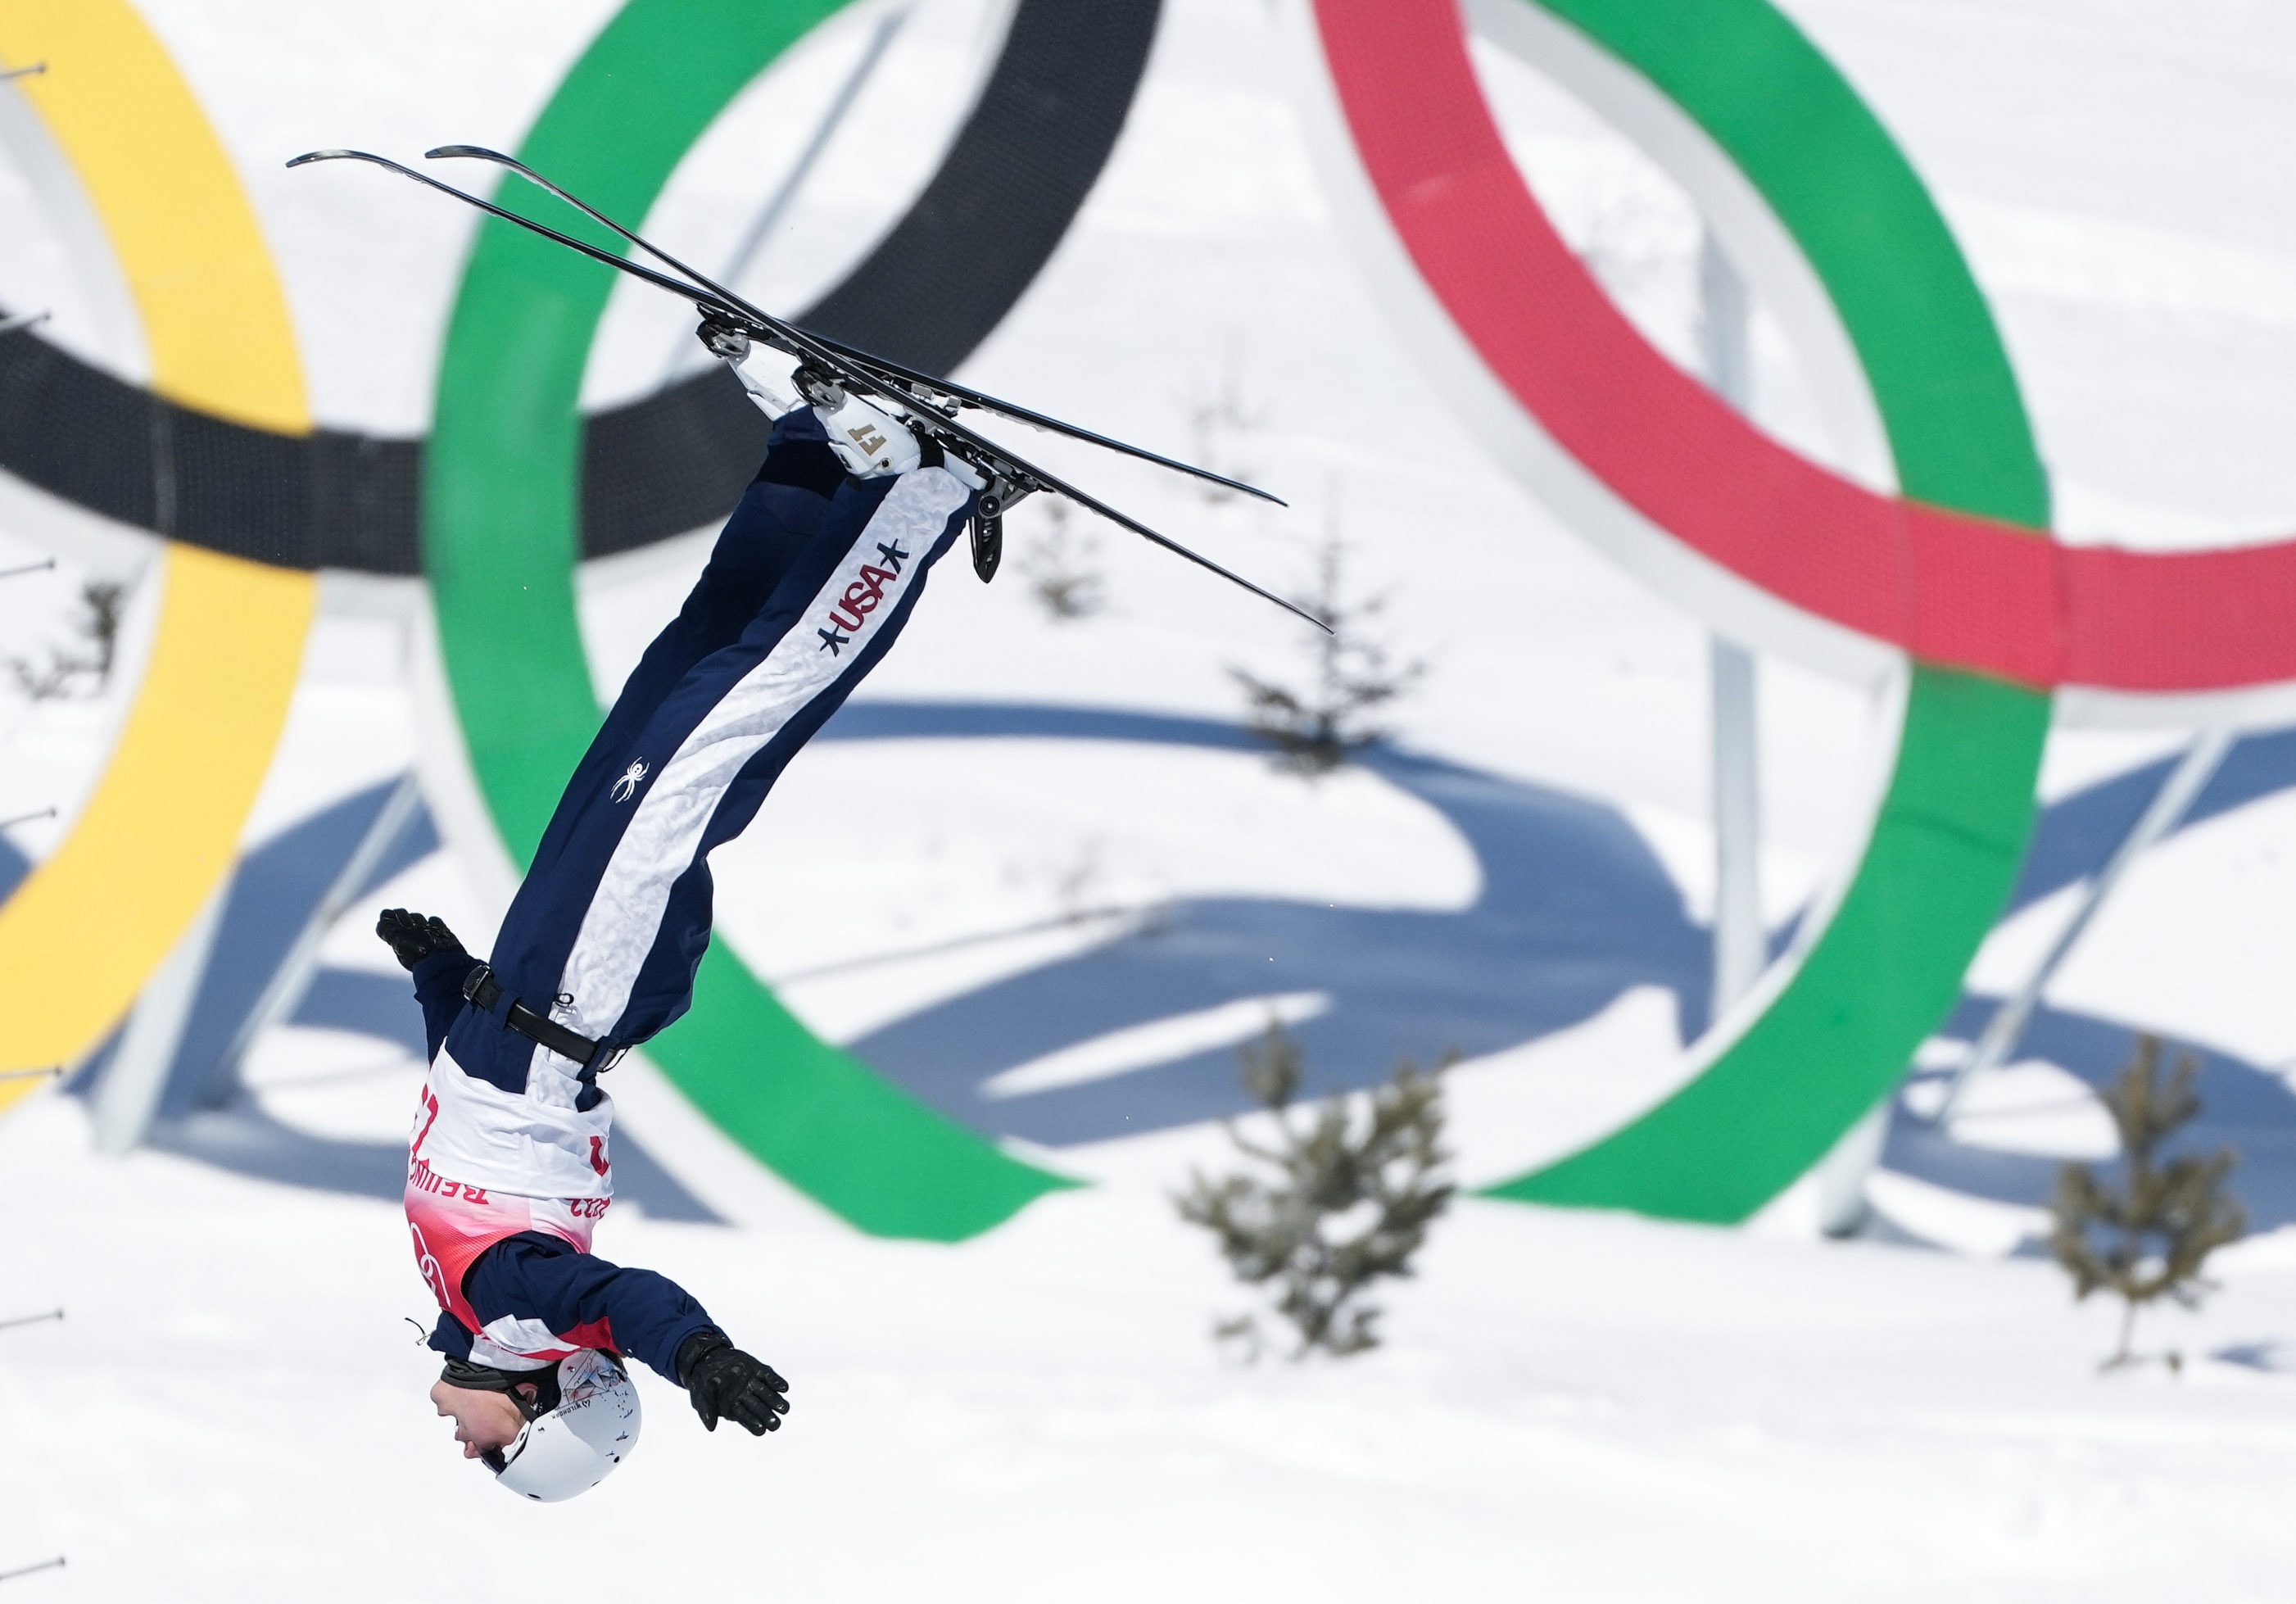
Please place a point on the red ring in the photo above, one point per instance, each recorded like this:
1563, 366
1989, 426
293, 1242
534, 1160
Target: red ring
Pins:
1951, 589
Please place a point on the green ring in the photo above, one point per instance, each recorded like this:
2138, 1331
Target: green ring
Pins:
501, 481
1952, 827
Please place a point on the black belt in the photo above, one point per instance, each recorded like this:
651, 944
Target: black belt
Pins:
481, 987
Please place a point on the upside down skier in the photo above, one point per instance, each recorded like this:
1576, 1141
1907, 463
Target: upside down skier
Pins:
510, 1164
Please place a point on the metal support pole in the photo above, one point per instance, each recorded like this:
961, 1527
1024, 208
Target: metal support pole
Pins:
754, 239
1725, 315
284, 992
2169, 803
849, 91
1741, 944
1740, 941
128, 1095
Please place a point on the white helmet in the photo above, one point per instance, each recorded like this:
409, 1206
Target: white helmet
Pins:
572, 1448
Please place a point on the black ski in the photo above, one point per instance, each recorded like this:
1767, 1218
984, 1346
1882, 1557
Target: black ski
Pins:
1012, 477
921, 386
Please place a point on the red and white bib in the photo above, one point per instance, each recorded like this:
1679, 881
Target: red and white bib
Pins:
535, 1142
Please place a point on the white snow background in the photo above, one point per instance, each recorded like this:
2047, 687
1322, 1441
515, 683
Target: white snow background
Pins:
1571, 1407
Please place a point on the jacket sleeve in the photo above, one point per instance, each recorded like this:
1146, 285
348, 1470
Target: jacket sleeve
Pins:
584, 1299
439, 988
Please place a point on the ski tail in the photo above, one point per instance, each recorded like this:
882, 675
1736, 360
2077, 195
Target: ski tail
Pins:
701, 297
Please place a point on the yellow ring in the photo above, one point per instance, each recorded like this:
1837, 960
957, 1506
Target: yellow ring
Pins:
82, 934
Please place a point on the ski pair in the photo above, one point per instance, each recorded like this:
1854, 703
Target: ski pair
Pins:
926, 404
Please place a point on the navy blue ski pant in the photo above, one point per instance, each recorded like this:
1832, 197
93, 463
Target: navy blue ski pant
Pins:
810, 580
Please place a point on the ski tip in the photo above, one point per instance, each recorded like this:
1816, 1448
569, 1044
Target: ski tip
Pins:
438, 152
328, 156
1298, 611
1233, 484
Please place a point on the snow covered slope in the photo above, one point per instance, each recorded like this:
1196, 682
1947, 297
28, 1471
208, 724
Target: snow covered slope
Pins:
1572, 1407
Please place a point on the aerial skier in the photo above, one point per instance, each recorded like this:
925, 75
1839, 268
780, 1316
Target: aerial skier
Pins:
510, 1165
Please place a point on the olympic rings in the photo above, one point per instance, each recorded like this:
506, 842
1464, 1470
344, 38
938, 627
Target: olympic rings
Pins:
1940, 572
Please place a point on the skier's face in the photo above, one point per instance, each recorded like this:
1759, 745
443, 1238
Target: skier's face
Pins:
484, 1421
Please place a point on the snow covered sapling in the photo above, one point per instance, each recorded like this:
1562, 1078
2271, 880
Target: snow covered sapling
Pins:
2148, 1237
1219, 419
101, 602
1063, 567
1315, 729
1348, 1202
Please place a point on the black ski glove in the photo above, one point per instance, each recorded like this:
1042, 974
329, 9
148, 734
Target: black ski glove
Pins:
724, 339
725, 1383
413, 937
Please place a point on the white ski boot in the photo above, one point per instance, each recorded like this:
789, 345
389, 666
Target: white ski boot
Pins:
870, 442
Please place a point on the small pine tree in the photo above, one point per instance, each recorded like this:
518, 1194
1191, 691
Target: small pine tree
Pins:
2148, 1237
1316, 730
1350, 1202
1220, 419
1063, 567
101, 601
